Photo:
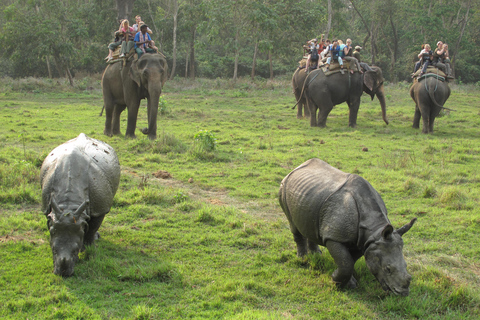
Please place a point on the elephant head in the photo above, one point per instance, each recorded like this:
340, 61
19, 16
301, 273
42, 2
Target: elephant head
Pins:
150, 74
373, 85
67, 230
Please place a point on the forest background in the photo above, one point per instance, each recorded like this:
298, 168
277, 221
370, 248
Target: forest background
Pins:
237, 38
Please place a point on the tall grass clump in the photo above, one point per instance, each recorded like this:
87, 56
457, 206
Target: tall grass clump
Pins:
143, 312
204, 145
454, 198
166, 142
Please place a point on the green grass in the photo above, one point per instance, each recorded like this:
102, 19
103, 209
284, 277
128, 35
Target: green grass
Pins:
212, 241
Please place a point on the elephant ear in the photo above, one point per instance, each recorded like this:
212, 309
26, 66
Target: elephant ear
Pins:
164, 71
369, 80
135, 73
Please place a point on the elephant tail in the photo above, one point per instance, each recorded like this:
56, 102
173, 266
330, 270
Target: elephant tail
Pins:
431, 93
101, 112
303, 89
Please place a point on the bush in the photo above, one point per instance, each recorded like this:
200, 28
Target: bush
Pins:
205, 141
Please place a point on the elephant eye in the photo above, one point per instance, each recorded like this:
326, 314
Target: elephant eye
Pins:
388, 269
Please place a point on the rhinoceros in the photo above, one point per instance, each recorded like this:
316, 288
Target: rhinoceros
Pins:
343, 212
79, 179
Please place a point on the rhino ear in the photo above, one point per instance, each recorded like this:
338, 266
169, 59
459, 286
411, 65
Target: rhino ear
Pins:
406, 227
387, 232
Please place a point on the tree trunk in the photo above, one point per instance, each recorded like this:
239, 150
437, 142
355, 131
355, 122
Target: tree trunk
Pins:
192, 52
153, 20
271, 63
174, 51
235, 68
254, 59
457, 45
69, 75
186, 64
365, 24
329, 21
373, 44
48, 67
124, 8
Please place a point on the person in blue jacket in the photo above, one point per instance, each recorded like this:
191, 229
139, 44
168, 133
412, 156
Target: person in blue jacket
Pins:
143, 41
334, 51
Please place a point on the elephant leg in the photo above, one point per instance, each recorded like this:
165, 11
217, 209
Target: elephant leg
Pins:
323, 112
300, 110
343, 275
353, 114
118, 109
132, 119
416, 117
433, 115
430, 125
300, 104
313, 112
109, 107
306, 110
93, 225
426, 122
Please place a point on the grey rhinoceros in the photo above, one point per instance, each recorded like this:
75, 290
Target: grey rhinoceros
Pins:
79, 179
344, 213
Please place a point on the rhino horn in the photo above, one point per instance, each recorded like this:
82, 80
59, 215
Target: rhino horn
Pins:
406, 227
56, 209
80, 209
387, 232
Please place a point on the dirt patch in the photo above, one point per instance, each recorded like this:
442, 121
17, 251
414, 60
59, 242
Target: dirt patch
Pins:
265, 208
25, 237
162, 174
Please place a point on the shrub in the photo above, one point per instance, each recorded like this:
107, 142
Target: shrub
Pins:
206, 140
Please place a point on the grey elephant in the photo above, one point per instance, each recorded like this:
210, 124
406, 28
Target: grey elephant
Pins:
298, 80
79, 179
429, 94
125, 85
324, 90
343, 212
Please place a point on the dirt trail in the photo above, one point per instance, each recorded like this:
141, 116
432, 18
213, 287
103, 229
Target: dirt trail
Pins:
267, 209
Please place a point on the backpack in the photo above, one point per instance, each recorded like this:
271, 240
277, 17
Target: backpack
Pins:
314, 54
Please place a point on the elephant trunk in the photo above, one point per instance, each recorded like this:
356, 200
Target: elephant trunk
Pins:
381, 97
154, 92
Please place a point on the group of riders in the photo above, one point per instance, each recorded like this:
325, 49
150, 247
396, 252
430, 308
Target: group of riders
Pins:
438, 58
136, 36
333, 51
328, 51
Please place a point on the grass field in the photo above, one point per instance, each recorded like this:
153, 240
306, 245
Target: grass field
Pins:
212, 241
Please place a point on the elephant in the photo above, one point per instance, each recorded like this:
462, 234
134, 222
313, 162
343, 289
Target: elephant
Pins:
324, 90
298, 79
124, 84
429, 94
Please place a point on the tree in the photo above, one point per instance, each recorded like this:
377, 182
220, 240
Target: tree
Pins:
124, 9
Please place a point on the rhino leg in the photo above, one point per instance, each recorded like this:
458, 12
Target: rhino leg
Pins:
343, 276
313, 247
301, 242
92, 233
